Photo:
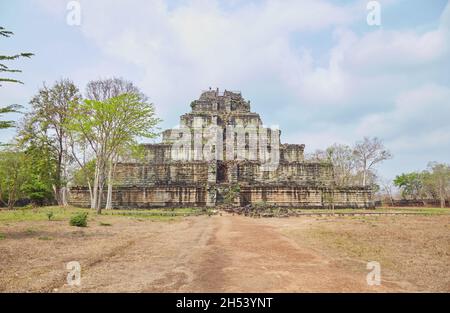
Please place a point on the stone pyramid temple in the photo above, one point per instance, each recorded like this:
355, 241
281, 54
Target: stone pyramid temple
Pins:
222, 148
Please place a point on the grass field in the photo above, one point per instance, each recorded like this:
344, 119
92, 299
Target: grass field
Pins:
64, 213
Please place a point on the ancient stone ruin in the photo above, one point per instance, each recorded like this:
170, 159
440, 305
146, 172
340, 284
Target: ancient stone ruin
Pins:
221, 152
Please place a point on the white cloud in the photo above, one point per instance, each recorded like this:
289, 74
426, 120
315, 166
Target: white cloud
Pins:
424, 111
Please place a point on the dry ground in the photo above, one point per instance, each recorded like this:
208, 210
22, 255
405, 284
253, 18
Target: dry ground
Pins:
227, 253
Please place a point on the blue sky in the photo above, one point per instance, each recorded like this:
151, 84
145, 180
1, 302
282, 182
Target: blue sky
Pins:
315, 68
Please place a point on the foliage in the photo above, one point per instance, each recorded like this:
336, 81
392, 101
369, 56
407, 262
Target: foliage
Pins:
85, 174
231, 194
79, 220
436, 181
110, 127
25, 174
433, 183
50, 215
13, 176
3, 67
45, 127
9, 109
410, 184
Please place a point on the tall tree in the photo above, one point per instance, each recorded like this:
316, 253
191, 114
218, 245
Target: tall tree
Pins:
46, 125
437, 179
386, 187
104, 89
101, 90
13, 176
344, 164
110, 126
410, 184
370, 152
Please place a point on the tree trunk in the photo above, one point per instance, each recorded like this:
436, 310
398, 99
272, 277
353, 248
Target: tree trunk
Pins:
64, 196
100, 194
57, 194
101, 184
91, 195
109, 194
96, 183
11, 200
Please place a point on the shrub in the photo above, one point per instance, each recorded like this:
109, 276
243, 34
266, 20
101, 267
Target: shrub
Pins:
50, 215
231, 194
79, 220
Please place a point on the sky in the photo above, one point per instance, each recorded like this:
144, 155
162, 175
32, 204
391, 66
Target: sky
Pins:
315, 68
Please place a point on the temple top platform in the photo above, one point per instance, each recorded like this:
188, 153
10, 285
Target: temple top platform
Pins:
215, 101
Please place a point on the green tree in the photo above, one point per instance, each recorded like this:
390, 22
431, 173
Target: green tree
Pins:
45, 126
41, 167
84, 174
110, 127
26, 174
102, 90
13, 176
410, 184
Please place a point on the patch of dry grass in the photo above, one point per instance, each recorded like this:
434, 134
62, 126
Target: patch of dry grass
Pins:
414, 251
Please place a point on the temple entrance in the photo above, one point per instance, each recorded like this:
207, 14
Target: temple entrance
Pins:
221, 172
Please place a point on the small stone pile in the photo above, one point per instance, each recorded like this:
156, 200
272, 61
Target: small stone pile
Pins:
257, 210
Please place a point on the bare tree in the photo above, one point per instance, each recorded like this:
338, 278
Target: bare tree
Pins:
344, 164
437, 179
368, 153
104, 89
387, 187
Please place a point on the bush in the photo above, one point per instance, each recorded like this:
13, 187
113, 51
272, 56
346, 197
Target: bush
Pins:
50, 215
79, 220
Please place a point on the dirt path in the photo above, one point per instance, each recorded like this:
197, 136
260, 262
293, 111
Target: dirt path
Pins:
197, 254
223, 254
245, 254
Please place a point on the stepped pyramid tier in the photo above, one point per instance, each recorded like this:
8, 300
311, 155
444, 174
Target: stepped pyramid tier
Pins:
218, 146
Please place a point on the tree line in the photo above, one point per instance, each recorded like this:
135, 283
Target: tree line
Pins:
354, 165
69, 136
431, 183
